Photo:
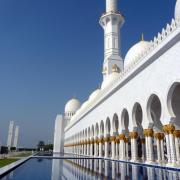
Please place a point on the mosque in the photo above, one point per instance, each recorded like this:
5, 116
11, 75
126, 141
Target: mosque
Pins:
135, 115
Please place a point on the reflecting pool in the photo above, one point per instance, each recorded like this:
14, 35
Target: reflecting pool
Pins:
77, 169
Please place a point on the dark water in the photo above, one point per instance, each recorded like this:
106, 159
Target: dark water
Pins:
77, 169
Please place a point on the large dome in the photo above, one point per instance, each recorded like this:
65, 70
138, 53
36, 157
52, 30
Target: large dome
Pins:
72, 106
177, 10
135, 51
109, 79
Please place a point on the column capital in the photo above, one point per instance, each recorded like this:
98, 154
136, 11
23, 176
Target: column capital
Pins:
133, 135
107, 139
101, 140
113, 138
169, 128
176, 133
92, 141
122, 137
126, 140
148, 132
117, 139
97, 140
142, 141
159, 136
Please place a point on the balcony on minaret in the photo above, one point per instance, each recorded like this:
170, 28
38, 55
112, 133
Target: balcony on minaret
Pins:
112, 21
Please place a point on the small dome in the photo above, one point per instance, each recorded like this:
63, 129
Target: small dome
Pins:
135, 51
94, 94
177, 10
72, 105
109, 79
84, 105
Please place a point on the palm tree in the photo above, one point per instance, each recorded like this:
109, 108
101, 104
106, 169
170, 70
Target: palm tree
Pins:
41, 145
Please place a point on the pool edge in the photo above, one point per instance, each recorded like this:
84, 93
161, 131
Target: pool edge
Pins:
8, 168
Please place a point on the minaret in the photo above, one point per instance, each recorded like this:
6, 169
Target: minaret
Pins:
10, 134
16, 137
59, 135
112, 21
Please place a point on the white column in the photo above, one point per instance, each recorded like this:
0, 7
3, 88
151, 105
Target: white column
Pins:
172, 148
88, 147
117, 148
84, 148
122, 149
168, 148
177, 136
148, 133
126, 149
158, 150
151, 153
95, 148
170, 142
113, 147
177, 148
106, 146
134, 152
91, 149
146, 149
100, 149
143, 149
106, 149
132, 149
162, 149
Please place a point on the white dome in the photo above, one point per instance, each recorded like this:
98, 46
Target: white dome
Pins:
177, 10
109, 79
72, 105
135, 51
94, 94
84, 105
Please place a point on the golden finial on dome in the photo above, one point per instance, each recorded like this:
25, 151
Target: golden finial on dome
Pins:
142, 37
115, 68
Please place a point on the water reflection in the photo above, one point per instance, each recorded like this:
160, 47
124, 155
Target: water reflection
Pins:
57, 169
87, 169
90, 169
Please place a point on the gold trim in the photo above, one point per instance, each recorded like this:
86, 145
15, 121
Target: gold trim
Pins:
176, 133
107, 139
115, 68
122, 137
126, 140
148, 132
142, 141
101, 140
133, 135
159, 136
169, 128
113, 138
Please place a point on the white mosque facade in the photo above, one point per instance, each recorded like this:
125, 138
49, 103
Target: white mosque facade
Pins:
135, 115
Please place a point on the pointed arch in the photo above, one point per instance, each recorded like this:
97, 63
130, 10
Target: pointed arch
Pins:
115, 123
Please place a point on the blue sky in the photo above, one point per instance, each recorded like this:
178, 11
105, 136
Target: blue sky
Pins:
51, 50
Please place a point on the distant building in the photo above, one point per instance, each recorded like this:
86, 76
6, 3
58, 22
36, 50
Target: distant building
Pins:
10, 135
16, 137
